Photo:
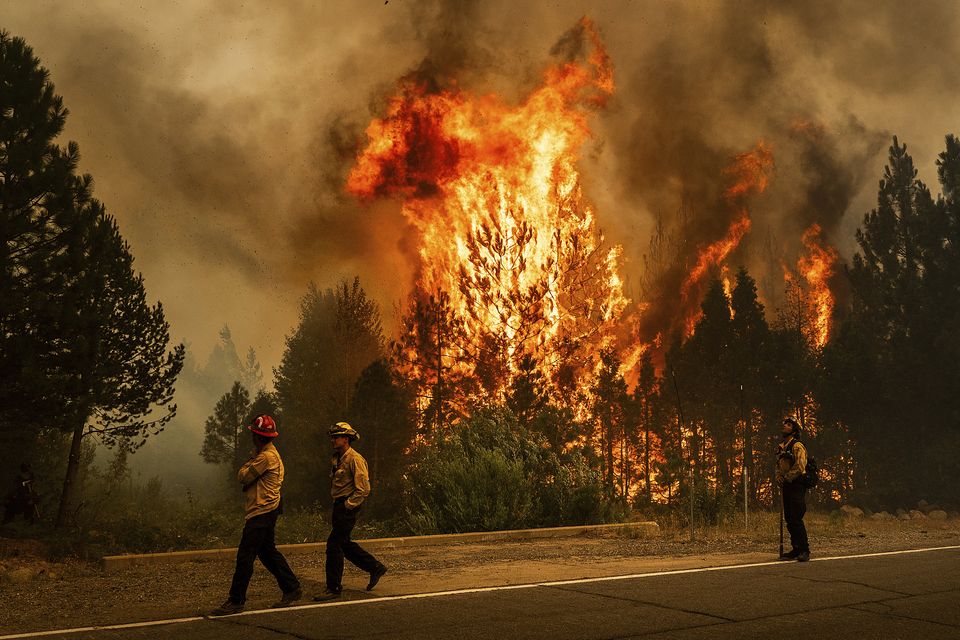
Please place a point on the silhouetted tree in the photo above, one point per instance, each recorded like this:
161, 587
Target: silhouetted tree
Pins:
338, 336
382, 411
225, 435
609, 399
79, 345
749, 359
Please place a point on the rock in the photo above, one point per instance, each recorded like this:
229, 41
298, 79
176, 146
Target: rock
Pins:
937, 514
953, 514
904, 516
926, 507
900, 512
851, 512
21, 575
917, 515
882, 516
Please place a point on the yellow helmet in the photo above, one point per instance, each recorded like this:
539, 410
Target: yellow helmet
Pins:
343, 429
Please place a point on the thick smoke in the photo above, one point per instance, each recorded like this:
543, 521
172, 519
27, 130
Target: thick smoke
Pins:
220, 135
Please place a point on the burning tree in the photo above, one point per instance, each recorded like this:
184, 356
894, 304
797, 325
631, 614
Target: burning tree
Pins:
511, 265
808, 289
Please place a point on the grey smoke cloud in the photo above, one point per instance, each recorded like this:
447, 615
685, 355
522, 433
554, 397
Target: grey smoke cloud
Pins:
220, 134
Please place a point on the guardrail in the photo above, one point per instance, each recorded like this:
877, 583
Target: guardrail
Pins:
642, 529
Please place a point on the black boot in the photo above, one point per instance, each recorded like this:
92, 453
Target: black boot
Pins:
228, 608
375, 576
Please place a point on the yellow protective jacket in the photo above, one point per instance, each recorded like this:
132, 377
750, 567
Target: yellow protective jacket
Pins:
790, 467
350, 478
261, 478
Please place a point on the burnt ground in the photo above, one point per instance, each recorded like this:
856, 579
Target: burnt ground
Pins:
50, 595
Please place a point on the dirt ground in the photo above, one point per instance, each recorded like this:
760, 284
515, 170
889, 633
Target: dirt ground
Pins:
59, 595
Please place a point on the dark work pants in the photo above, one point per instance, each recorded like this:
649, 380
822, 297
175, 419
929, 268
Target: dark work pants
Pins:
257, 541
339, 545
16, 506
794, 506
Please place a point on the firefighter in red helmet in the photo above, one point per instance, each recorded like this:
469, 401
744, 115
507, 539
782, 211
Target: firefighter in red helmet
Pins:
260, 479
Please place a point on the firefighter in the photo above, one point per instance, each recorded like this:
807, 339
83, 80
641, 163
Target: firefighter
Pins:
260, 479
791, 465
350, 486
22, 498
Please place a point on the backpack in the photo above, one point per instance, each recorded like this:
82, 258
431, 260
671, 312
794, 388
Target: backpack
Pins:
811, 474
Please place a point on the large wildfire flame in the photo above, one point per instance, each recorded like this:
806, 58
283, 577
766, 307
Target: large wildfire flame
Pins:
750, 174
816, 266
493, 191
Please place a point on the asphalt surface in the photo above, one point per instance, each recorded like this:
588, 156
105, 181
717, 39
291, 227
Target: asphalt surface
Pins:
889, 596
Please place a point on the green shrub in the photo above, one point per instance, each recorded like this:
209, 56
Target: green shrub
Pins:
489, 473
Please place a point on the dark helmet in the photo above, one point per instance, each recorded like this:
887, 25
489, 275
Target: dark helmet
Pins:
343, 429
793, 423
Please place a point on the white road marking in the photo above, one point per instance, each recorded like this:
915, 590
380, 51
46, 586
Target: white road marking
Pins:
454, 592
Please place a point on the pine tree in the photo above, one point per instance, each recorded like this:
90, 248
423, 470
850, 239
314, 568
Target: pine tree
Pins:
81, 350
711, 388
41, 204
529, 392
750, 341
225, 435
429, 355
892, 330
381, 410
609, 399
122, 376
338, 336
264, 403
644, 411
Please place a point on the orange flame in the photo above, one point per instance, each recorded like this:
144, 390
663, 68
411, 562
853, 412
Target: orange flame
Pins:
493, 190
816, 267
750, 172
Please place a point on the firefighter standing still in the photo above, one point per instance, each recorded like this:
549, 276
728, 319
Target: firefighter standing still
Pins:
349, 487
791, 466
260, 479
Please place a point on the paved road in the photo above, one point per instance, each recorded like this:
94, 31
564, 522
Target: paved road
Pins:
896, 595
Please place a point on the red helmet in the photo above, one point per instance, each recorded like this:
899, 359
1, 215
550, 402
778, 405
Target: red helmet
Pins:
264, 426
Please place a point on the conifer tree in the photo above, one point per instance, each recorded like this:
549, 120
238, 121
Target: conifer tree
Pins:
750, 341
338, 336
382, 411
225, 434
81, 349
609, 399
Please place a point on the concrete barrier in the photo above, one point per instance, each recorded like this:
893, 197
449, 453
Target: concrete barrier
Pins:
641, 529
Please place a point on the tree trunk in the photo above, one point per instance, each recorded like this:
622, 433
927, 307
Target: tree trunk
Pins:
610, 460
646, 463
748, 455
69, 482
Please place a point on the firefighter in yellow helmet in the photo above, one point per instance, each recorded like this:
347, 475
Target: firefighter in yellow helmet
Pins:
791, 465
350, 486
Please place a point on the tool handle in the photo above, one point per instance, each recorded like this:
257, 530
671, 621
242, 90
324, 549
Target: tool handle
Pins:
781, 520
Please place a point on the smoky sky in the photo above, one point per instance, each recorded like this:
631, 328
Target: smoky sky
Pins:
220, 134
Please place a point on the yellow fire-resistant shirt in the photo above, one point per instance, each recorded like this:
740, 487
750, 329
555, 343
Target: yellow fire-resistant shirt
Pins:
261, 477
789, 469
350, 478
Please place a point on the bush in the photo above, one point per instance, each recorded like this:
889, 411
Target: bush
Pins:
490, 473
